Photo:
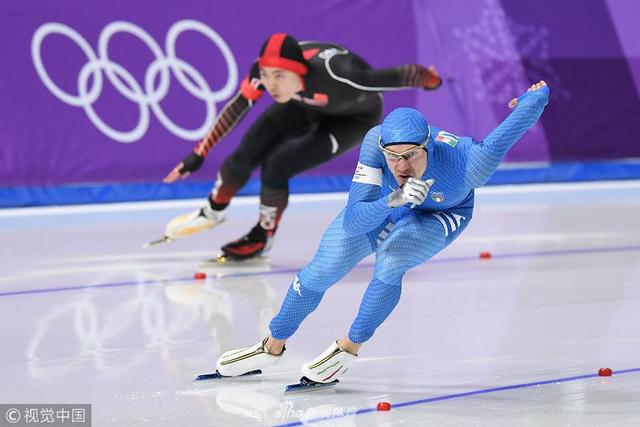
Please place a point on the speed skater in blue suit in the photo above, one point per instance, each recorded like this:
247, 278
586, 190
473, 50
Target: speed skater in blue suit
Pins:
412, 195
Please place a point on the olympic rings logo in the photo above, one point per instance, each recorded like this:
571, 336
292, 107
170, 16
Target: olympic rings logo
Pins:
148, 96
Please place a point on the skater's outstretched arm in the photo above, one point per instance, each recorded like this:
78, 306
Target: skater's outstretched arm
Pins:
250, 91
484, 156
367, 206
341, 67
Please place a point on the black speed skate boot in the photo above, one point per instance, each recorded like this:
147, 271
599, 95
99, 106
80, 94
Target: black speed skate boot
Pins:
255, 243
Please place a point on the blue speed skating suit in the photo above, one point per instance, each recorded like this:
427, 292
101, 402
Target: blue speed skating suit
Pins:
401, 237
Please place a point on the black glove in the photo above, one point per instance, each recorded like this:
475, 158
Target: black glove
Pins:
191, 163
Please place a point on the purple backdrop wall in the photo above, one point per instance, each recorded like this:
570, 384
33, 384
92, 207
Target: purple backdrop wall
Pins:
69, 117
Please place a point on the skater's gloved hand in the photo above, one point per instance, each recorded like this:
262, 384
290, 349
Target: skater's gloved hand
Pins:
432, 79
413, 191
189, 164
541, 86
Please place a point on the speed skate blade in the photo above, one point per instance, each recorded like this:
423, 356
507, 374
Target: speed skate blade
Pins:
225, 261
216, 375
165, 239
306, 384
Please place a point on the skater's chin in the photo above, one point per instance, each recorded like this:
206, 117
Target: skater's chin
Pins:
280, 99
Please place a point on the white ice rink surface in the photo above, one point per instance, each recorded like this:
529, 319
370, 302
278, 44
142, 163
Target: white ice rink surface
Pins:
87, 316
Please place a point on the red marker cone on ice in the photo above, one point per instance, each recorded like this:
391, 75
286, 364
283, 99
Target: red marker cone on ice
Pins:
383, 406
605, 372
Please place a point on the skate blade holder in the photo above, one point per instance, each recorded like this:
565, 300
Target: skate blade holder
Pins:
165, 239
306, 384
216, 375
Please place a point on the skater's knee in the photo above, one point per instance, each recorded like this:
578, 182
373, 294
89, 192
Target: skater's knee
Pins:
393, 262
390, 274
237, 163
318, 277
327, 267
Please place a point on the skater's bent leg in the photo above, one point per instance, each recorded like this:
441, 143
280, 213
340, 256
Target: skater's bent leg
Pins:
286, 160
297, 305
279, 122
330, 137
378, 302
335, 257
233, 175
413, 240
